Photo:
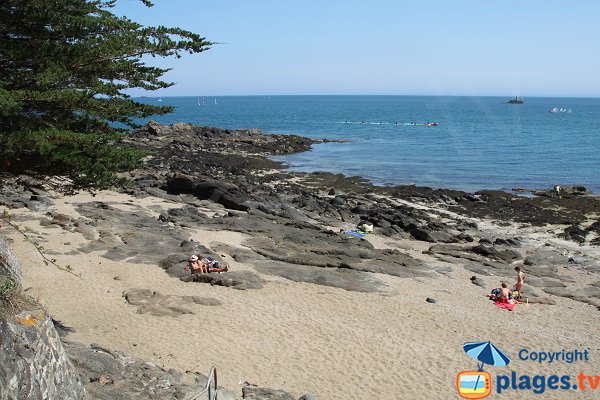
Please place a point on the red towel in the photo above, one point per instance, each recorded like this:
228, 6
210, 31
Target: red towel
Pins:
506, 306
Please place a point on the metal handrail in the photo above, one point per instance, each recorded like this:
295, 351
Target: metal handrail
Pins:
210, 388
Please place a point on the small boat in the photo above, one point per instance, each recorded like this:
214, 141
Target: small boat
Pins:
432, 124
516, 100
559, 110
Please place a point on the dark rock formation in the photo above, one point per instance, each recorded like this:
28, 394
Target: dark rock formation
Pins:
240, 280
478, 281
256, 393
112, 375
150, 302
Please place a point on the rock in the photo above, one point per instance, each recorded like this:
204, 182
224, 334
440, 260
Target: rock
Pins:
33, 362
545, 256
544, 282
338, 201
153, 303
478, 281
493, 253
227, 195
430, 300
111, 375
347, 279
575, 233
241, 280
507, 242
432, 236
60, 219
255, 393
589, 295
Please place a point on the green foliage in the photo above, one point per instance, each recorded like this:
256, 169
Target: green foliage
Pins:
64, 67
7, 286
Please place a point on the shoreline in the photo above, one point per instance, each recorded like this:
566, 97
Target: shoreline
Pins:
322, 293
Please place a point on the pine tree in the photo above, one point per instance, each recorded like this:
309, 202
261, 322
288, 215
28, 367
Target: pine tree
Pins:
64, 68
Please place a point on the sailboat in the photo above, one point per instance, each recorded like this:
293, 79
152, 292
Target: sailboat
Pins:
160, 99
215, 101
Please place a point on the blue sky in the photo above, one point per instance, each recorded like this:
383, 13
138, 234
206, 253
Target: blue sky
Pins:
442, 47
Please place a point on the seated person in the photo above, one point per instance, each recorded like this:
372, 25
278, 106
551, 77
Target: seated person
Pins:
207, 265
505, 293
502, 294
197, 266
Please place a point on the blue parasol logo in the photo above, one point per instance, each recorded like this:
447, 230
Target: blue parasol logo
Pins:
477, 384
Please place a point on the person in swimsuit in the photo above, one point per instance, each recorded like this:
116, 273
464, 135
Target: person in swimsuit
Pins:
197, 266
520, 281
505, 293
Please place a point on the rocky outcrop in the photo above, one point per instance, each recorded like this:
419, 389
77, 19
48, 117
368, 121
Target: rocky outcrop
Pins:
227, 195
150, 302
9, 265
33, 362
113, 375
256, 393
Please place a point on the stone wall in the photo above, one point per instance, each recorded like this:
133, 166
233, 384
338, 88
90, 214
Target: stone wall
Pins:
9, 265
33, 362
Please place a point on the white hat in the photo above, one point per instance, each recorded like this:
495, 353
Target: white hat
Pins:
194, 258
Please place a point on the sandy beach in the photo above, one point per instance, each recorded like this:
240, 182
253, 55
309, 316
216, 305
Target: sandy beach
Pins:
299, 200
333, 343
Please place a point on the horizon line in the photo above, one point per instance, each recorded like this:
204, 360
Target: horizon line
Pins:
382, 95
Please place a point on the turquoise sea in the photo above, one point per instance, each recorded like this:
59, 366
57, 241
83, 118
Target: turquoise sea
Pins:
480, 143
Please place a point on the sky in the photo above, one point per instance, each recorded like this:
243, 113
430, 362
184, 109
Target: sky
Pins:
419, 47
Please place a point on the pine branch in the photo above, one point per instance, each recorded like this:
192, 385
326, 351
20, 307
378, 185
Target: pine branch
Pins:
40, 249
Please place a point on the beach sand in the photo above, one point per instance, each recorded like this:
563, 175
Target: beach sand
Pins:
300, 337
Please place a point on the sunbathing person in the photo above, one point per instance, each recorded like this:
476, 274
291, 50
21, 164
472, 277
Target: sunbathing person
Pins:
505, 293
501, 294
196, 265
209, 264
217, 269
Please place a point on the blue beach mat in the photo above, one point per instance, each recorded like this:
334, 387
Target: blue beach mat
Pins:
354, 232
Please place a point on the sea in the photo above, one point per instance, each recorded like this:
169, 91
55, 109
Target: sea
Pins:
478, 143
